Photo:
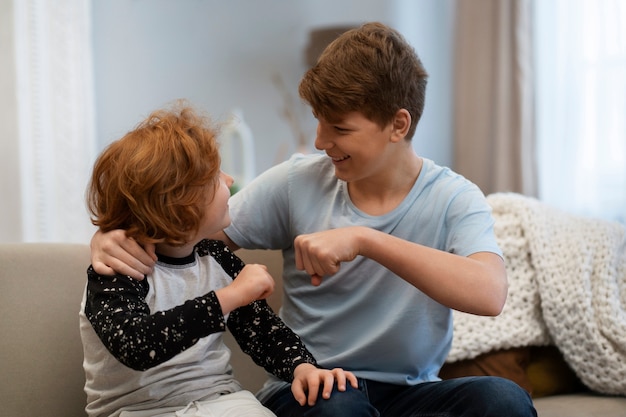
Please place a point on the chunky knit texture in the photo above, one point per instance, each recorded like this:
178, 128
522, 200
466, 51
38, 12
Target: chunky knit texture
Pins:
567, 287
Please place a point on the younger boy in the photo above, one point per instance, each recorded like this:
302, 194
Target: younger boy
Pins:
155, 347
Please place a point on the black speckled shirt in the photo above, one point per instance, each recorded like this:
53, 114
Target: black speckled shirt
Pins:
173, 320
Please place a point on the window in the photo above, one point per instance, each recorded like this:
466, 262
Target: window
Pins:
581, 105
55, 117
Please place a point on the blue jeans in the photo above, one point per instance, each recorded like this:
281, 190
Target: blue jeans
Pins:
481, 396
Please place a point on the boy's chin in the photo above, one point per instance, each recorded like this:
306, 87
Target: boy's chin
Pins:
223, 225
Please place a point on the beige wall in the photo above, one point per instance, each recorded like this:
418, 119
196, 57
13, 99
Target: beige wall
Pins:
202, 56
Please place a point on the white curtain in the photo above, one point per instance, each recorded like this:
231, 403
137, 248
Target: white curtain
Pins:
55, 112
581, 105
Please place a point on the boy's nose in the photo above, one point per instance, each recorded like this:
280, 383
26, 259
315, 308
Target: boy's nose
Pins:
229, 180
320, 142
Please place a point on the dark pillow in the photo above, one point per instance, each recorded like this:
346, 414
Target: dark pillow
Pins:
540, 370
549, 373
510, 364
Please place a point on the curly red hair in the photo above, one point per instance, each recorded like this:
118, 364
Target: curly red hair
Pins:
156, 181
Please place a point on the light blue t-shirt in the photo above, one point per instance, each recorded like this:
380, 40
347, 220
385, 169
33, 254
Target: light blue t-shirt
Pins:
364, 318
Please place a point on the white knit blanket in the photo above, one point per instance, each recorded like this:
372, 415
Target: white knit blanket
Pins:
567, 287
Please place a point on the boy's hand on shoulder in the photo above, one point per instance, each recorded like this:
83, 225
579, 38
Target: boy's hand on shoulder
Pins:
254, 282
307, 380
113, 252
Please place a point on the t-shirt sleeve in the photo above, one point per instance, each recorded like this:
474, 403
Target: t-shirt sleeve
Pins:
259, 212
471, 224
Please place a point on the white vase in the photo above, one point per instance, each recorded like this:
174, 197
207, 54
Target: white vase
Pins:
237, 150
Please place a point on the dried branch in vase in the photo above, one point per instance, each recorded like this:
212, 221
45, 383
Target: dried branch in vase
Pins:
293, 117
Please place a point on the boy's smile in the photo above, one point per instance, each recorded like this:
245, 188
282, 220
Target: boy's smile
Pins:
360, 149
340, 159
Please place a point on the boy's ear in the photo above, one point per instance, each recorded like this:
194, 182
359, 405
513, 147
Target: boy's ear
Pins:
401, 124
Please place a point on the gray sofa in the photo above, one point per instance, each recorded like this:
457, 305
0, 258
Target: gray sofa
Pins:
41, 285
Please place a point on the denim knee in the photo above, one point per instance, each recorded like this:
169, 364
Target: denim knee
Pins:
352, 402
495, 396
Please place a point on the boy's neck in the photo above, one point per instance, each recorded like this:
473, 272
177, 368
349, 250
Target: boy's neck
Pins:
382, 194
174, 251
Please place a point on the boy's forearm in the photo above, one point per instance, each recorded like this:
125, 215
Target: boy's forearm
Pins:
475, 284
267, 340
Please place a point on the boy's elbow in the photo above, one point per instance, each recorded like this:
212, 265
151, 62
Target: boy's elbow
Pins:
500, 288
494, 309
494, 286
497, 302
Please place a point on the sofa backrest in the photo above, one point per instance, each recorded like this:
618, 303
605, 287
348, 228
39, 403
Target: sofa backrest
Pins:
250, 375
41, 287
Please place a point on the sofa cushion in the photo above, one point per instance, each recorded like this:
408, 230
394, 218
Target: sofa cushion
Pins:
580, 405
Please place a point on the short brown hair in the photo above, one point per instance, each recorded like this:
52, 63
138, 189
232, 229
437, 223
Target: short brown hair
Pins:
156, 180
370, 69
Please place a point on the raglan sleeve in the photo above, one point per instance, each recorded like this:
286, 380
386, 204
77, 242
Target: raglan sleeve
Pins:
263, 336
117, 310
